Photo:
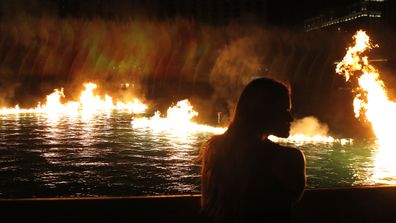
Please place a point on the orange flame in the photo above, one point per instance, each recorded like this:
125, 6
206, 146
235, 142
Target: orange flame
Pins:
177, 120
371, 100
89, 103
372, 103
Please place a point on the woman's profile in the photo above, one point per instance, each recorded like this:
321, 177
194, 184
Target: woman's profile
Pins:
245, 177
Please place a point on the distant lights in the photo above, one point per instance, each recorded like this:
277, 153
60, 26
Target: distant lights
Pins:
310, 27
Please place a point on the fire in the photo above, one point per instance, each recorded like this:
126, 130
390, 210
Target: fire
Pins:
309, 130
89, 103
177, 120
372, 103
371, 100
302, 139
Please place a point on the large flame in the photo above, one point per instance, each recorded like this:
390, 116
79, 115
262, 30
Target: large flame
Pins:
89, 103
371, 99
372, 103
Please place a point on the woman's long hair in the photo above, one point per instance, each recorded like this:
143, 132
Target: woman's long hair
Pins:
223, 156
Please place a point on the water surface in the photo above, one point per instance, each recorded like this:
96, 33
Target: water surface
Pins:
67, 156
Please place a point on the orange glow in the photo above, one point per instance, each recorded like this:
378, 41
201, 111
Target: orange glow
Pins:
89, 103
373, 104
371, 101
177, 120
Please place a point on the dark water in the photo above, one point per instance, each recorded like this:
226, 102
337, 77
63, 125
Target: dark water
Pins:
63, 156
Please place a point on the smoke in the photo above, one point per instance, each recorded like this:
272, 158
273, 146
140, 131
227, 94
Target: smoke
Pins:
65, 52
252, 51
139, 51
235, 66
309, 126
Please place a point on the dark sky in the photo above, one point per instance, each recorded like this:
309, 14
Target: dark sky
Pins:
278, 12
275, 12
293, 12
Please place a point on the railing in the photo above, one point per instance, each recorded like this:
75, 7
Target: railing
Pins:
357, 204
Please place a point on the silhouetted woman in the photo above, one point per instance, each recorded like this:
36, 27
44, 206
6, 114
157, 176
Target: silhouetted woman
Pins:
245, 176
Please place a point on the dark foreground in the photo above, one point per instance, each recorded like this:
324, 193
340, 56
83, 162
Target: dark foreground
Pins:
359, 204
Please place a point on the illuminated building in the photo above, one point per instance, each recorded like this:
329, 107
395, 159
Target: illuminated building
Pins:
365, 13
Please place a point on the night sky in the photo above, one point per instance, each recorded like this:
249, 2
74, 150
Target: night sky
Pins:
274, 12
294, 12
278, 12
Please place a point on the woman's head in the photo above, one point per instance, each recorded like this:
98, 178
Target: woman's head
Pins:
264, 108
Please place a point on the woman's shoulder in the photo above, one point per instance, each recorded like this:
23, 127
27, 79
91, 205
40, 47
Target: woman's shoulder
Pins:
287, 151
289, 166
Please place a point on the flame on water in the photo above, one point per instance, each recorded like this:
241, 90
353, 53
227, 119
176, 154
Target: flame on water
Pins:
300, 139
309, 130
177, 120
89, 103
372, 103
371, 100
